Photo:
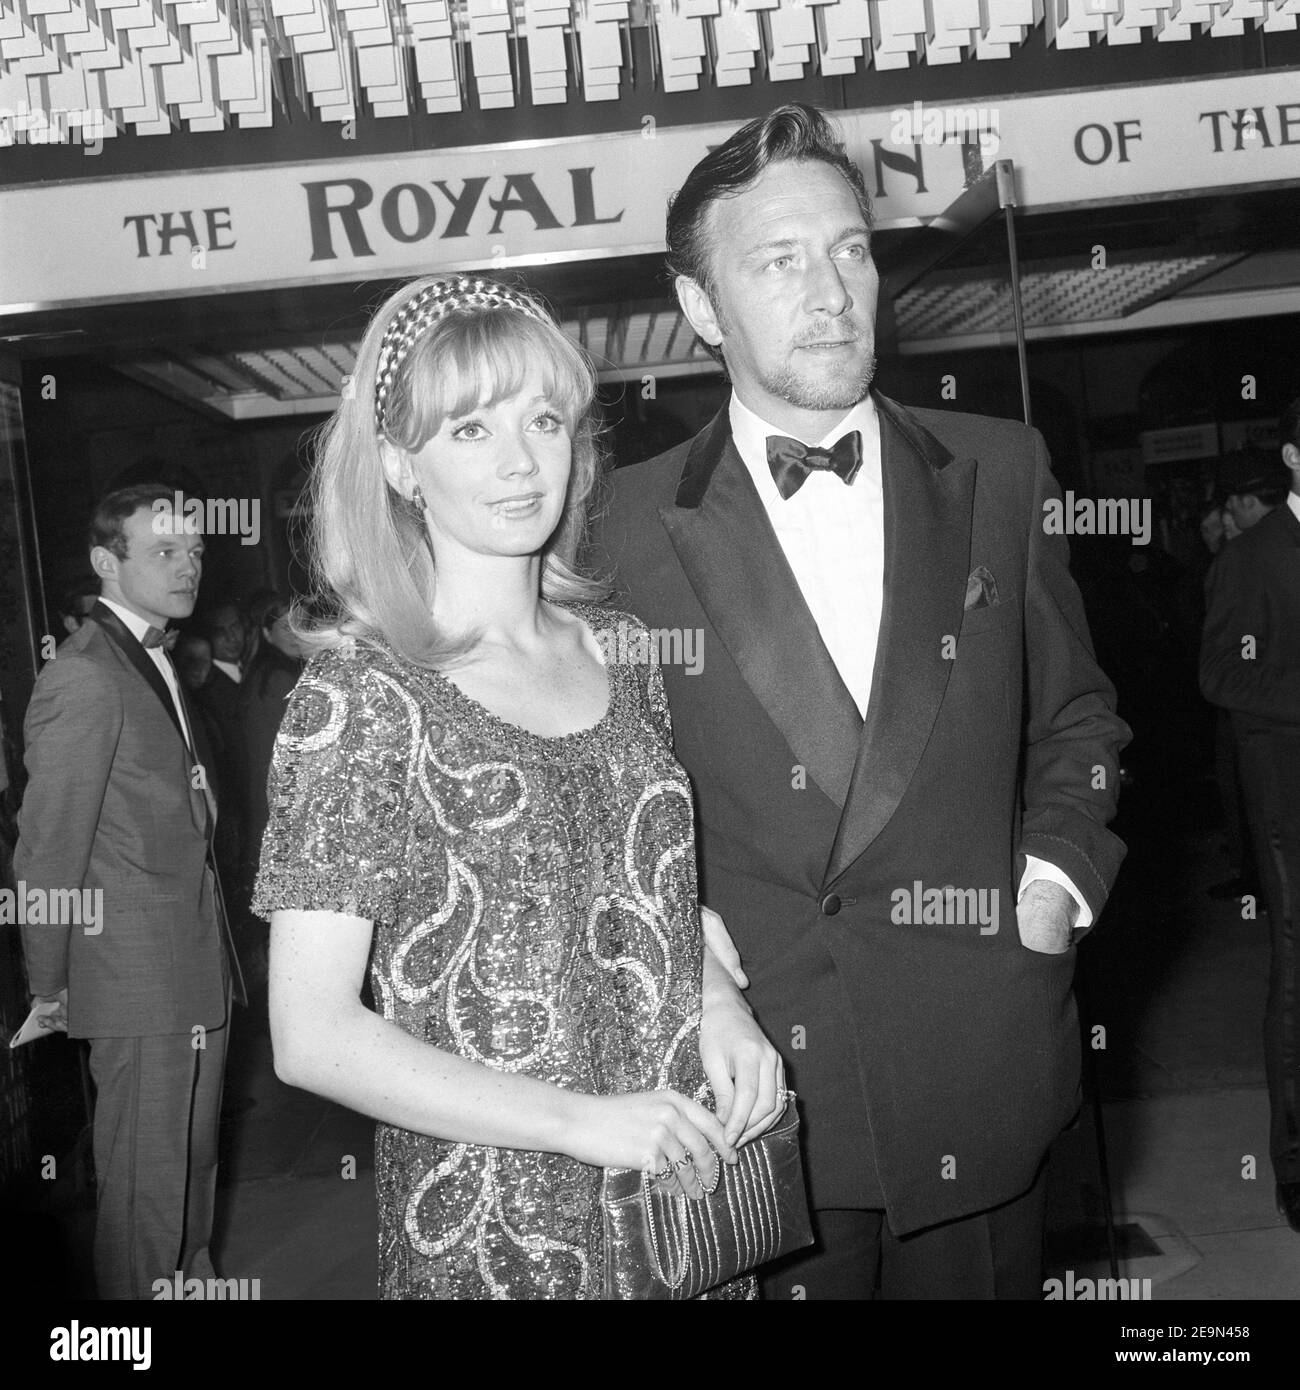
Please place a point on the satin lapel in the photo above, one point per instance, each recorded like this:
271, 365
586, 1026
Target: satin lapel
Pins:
139, 658
729, 552
928, 500
203, 755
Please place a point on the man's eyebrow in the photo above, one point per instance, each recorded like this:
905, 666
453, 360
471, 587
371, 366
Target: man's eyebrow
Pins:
776, 244
856, 229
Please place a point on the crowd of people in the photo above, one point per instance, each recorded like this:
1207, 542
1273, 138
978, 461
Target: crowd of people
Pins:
614, 911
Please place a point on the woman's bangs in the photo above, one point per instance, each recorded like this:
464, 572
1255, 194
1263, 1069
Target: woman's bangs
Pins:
473, 361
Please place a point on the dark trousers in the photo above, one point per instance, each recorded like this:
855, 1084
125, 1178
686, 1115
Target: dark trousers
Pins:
995, 1254
157, 1109
1269, 760
1237, 846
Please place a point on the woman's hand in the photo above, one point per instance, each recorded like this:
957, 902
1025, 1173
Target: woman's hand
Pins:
744, 1069
718, 940
659, 1132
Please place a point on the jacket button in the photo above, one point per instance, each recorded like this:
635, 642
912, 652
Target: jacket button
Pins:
830, 904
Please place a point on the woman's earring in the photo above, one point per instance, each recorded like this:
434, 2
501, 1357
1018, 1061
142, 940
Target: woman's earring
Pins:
418, 502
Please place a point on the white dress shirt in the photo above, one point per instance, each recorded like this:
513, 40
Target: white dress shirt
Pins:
230, 669
138, 626
1293, 501
833, 537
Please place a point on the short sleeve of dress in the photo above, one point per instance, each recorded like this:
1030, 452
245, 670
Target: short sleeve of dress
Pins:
338, 791
657, 700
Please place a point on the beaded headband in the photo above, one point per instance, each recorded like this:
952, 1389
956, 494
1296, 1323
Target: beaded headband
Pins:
414, 319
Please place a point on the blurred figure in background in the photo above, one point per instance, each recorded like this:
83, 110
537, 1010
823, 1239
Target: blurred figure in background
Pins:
1250, 665
76, 605
1212, 527
1233, 470
219, 699
256, 606
193, 657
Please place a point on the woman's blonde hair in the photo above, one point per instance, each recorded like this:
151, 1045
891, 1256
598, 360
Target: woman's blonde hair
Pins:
371, 565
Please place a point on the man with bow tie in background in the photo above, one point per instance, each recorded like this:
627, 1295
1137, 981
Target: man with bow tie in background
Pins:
117, 801
898, 717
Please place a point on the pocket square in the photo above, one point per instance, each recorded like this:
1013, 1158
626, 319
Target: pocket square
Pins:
981, 589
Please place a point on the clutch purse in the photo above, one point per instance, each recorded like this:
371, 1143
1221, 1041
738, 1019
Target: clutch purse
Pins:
664, 1246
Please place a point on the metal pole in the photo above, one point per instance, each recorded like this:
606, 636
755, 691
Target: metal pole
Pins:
1006, 175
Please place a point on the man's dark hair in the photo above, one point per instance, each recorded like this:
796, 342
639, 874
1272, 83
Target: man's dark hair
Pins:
107, 526
795, 132
1254, 472
1288, 425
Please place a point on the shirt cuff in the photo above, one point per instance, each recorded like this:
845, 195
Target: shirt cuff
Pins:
1040, 868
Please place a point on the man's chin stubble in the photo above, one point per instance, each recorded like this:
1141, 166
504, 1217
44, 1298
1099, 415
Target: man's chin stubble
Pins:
804, 394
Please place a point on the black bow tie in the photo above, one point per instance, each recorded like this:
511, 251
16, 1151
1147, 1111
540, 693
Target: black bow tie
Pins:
791, 462
156, 637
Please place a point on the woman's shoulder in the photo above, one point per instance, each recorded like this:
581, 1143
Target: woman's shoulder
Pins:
361, 680
353, 663
605, 618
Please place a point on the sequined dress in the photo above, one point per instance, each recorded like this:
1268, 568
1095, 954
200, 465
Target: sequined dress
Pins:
534, 909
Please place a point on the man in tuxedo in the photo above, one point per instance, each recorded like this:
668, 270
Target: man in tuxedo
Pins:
1250, 666
903, 752
117, 804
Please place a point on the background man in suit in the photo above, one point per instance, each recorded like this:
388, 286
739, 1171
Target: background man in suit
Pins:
1250, 666
220, 699
898, 697
117, 802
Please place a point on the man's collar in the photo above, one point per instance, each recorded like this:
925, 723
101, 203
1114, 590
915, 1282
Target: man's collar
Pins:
229, 668
706, 450
1293, 501
747, 425
750, 433
134, 623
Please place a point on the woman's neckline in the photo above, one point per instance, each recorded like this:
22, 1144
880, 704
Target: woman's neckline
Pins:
574, 736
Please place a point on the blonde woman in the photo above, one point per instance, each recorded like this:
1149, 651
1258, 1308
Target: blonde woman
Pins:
465, 795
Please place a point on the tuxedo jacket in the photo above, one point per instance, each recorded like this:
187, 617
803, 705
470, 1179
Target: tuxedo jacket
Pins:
1253, 592
935, 1060
110, 805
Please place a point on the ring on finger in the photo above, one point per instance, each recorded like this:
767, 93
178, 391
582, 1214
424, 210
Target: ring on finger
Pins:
686, 1161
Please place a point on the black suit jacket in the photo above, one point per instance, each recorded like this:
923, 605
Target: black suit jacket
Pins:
935, 1063
1253, 592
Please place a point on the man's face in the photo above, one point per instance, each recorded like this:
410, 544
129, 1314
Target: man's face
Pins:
1245, 509
227, 633
194, 662
794, 296
159, 578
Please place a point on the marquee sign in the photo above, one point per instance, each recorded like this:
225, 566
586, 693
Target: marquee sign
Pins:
532, 203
